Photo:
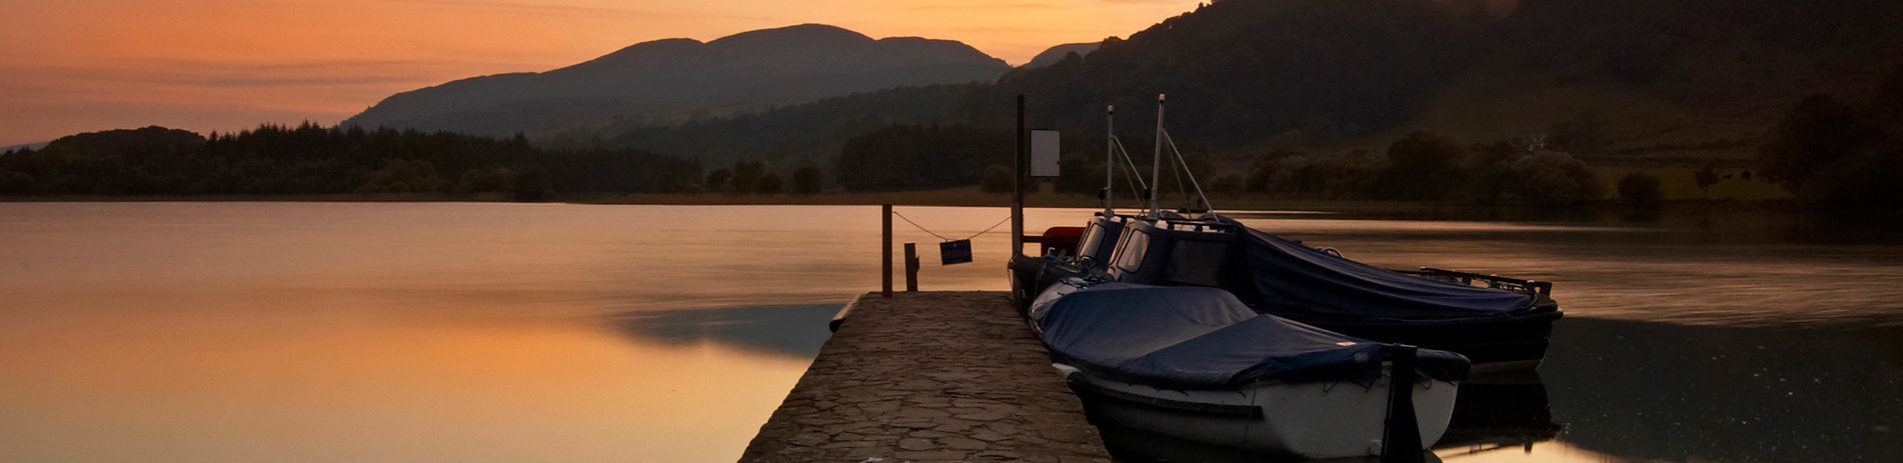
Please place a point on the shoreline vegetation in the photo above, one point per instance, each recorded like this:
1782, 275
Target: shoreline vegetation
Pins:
968, 196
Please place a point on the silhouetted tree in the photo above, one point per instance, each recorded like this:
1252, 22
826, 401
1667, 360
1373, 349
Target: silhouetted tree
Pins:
806, 181
1421, 166
769, 184
1640, 191
719, 179
1816, 133
997, 179
746, 175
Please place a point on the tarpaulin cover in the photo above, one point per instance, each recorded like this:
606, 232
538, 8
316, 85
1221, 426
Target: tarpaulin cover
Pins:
1302, 282
1204, 338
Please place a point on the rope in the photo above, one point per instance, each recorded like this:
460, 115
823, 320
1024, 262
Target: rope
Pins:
946, 238
1192, 175
1135, 178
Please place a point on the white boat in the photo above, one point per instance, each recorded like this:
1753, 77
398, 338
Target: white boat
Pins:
1197, 364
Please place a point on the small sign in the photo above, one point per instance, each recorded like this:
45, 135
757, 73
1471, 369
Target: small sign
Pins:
955, 252
1044, 153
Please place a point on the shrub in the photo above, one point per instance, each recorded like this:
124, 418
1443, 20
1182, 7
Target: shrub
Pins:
997, 179
769, 184
1551, 178
1640, 190
806, 181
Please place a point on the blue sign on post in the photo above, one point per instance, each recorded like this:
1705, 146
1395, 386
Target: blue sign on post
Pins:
955, 252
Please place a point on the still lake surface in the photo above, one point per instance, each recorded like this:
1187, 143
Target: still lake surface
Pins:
552, 332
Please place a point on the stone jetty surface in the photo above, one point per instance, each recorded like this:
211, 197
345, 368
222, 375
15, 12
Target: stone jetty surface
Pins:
927, 377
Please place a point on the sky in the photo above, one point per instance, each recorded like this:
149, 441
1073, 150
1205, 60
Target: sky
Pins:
72, 66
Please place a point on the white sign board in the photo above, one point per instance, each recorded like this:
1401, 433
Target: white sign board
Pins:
1043, 153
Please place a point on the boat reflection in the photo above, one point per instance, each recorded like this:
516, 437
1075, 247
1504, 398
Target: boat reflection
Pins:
1499, 411
1493, 414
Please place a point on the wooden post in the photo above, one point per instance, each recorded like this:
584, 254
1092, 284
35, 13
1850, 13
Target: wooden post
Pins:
885, 247
911, 267
1017, 187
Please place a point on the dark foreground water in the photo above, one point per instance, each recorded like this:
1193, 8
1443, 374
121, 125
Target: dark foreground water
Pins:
511, 332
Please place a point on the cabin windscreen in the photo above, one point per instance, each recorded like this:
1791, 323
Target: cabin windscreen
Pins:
1093, 237
1130, 252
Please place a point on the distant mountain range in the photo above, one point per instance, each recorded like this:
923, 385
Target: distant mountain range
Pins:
668, 81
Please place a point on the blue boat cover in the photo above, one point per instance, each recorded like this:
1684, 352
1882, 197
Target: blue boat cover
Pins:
1305, 283
1204, 338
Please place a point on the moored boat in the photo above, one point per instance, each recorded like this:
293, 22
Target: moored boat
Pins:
1197, 364
1502, 326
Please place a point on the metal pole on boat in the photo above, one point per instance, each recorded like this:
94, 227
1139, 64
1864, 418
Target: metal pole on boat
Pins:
1017, 187
1109, 160
1156, 159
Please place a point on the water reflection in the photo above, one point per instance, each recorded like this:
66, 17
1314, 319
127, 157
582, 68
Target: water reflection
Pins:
796, 330
547, 332
1492, 415
1661, 391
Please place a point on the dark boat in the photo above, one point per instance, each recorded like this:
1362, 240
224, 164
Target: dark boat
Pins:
1504, 325
1030, 275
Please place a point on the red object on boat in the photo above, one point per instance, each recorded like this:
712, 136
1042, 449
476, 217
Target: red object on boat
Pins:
1056, 239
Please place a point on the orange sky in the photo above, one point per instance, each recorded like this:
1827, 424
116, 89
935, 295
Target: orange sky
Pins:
83, 65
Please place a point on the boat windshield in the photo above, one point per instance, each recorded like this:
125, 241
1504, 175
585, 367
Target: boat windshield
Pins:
1093, 237
1130, 252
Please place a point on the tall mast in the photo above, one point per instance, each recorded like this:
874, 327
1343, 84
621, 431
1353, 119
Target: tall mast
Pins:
1109, 160
1156, 159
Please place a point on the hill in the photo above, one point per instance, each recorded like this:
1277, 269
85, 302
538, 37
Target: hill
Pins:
1052, 55
1630, 82
667, 81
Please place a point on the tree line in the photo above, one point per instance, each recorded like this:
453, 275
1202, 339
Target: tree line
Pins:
309, 159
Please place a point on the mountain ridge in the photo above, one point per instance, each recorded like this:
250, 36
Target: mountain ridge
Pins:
669, 80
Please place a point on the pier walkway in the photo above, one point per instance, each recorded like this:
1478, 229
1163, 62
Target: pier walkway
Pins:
931, 376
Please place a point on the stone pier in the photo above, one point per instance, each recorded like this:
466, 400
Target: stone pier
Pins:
928, 377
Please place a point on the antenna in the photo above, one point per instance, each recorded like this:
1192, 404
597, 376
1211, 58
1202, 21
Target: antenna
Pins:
1109, 159
1156, 159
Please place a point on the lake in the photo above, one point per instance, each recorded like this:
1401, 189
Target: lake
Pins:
556, 332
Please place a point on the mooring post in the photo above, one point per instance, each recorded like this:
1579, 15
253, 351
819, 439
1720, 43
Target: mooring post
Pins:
885, 247
1401, 440
1017, 187
911, 267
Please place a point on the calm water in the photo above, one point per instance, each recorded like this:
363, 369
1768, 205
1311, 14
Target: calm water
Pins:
537, 332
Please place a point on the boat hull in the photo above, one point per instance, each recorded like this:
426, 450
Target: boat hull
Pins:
1308, 420
1515, 342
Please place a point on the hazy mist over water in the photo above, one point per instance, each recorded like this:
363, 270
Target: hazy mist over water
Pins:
553, 332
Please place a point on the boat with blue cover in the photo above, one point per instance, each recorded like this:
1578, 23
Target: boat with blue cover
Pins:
1500, 323
1197, 364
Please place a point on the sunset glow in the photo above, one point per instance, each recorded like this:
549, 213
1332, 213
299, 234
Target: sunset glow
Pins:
86, 65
